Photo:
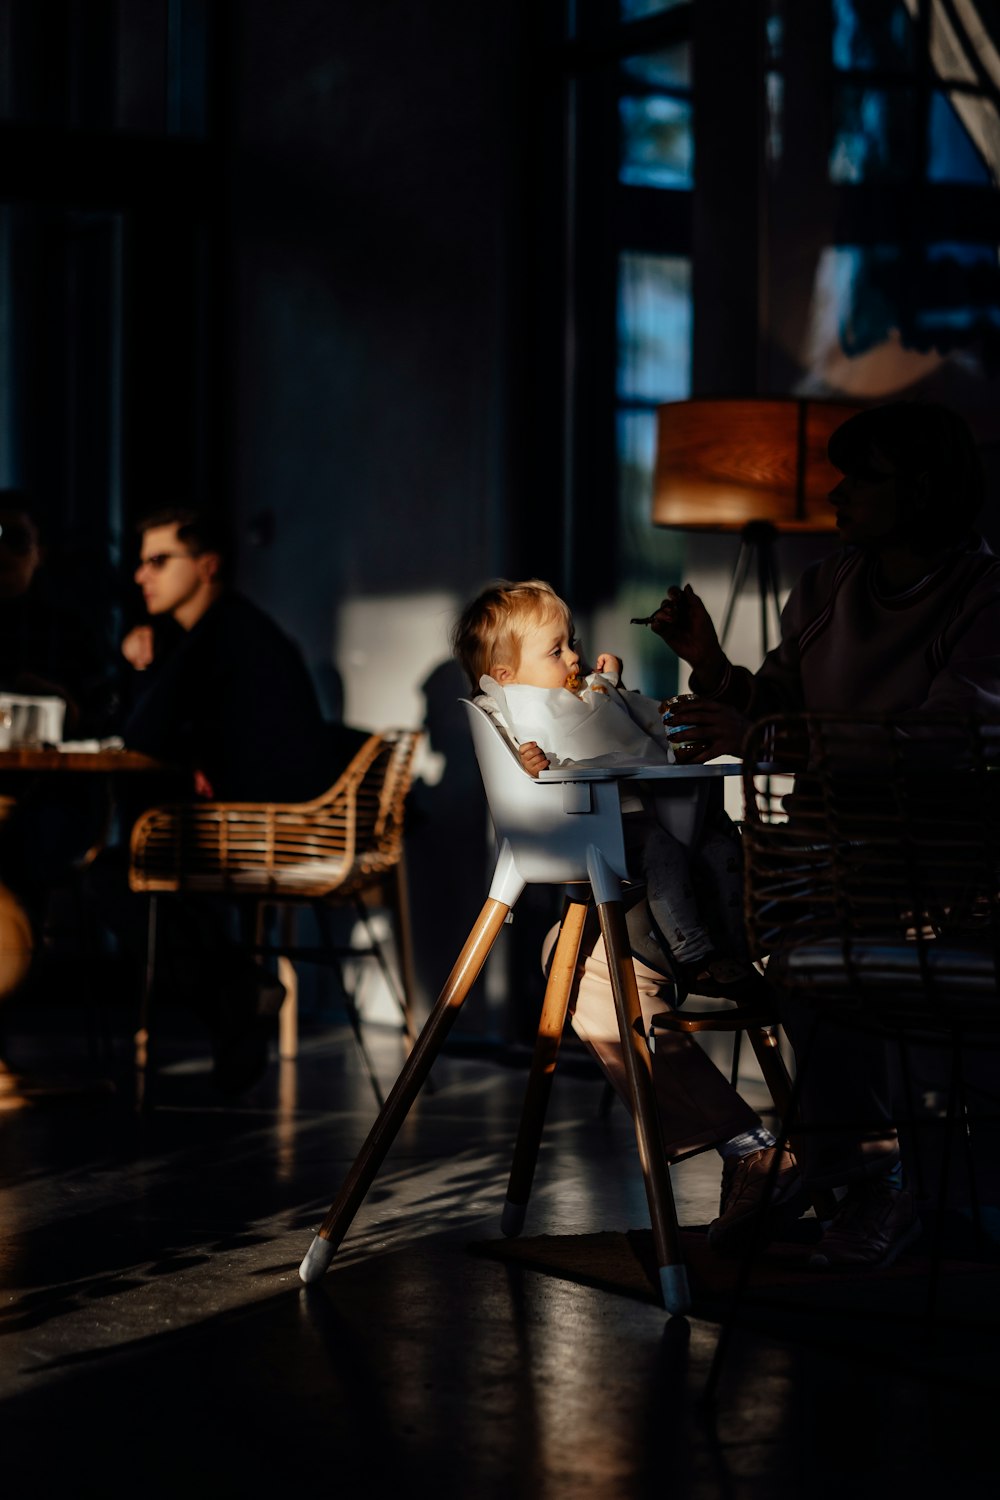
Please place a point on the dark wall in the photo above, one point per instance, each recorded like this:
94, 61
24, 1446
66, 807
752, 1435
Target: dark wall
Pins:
374, 214
377, 226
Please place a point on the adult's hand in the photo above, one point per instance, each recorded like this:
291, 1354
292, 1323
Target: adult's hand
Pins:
686, 625
716, 728
137, 647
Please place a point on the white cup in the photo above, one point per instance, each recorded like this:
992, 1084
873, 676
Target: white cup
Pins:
26, 720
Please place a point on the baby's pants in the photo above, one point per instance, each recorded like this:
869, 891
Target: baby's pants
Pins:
695, 895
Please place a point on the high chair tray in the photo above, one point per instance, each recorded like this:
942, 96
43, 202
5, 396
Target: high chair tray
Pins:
638, 773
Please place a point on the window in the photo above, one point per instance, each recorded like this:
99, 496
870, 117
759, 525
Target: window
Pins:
906, 112
655, 120
631, 81
110, 318
138, 66
654, 365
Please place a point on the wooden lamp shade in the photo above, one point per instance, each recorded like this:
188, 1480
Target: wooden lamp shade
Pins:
722, 464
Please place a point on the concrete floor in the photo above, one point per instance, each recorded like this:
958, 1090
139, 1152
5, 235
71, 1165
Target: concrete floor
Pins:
155, 1338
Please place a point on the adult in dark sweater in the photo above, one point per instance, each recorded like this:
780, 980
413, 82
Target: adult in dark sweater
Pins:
230, 698
225, 698
904, 618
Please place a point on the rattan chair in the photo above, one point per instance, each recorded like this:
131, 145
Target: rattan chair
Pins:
564, 827
344, 849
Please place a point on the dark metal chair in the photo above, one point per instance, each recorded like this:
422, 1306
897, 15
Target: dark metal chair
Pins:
872, 887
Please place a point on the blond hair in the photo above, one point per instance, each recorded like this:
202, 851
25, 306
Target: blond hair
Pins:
490, 631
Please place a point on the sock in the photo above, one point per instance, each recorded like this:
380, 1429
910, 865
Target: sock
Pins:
749, 1141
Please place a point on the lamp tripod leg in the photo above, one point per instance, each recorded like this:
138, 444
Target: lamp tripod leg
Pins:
767, 583
740, 569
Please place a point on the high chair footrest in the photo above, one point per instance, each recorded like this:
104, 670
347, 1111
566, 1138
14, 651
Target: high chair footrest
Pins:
710, 1020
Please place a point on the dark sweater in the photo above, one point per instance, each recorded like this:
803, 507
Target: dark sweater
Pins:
847, 647
234, 700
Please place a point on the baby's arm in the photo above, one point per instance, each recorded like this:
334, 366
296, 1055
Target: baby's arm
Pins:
532, 758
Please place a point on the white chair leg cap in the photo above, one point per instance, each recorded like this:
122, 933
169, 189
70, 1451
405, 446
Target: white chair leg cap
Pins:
316, 1261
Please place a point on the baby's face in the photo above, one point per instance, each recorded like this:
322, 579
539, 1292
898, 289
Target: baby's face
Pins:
548, 655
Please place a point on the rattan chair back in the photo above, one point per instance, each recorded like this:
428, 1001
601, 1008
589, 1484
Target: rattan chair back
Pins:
339, 842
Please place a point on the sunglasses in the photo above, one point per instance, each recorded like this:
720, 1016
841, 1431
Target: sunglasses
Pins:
158, 560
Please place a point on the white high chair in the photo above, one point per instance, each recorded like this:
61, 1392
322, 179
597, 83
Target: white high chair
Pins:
563, 827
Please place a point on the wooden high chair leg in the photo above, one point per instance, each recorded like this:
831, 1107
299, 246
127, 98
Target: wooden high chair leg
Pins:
414, 1071
543, 1065
638, 1068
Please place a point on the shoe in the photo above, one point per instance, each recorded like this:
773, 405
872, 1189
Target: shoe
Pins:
873, 1224
752, 1210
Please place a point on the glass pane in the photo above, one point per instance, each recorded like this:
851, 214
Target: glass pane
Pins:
634, 10
186, 67
859, 287
657, 142
669, 68
949, 299
774, 33
9, 455
6, 62
960, 293
651, 558
654, 327
142, 66
873, 135
951, 154
774, 139
872, 34
139, 66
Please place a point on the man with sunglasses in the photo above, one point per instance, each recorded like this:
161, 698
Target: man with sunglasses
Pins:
224, 696
228, 696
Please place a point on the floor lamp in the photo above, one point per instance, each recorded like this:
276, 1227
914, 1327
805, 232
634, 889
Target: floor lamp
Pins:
755, 466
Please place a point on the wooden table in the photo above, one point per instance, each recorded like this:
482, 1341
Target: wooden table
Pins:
48, 758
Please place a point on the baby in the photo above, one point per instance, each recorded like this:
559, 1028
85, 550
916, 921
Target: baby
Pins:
522, 634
